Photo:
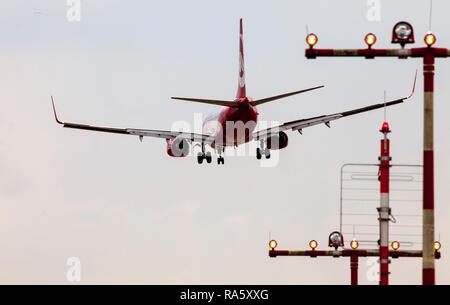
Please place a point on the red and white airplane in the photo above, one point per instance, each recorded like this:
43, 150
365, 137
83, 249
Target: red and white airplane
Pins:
234, 124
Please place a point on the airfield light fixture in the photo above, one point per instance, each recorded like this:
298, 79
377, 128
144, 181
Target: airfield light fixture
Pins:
273, 244
403, 33
354, 244
395, 245
313, 244
430, 39
437, 246
311, 40
370, 39
335, 240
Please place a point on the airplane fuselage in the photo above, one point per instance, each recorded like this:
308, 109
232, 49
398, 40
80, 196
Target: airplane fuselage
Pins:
232, 126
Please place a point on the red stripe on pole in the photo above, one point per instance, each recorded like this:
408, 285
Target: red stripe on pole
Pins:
312, 53
372, 52
428, 179
384, 266
419, 52
428, 71
440, 52
275, 253
428, 276
354, 269
384, 166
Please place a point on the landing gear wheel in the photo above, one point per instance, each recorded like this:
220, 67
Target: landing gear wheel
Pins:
220, 160
208, 157
258, 153
267, 153
200, 157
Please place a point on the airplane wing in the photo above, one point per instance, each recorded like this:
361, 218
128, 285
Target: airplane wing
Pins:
299, 125
164, 134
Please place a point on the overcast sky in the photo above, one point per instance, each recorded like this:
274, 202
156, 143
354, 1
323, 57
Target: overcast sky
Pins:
131, 213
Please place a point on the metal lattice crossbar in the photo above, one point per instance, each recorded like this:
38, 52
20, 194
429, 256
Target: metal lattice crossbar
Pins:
360, 198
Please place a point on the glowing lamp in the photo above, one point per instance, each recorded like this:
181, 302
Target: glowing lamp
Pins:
313, 244
437, 246
370, 39
395, 245
273, 244
354, 244
430, 39
385, 127
311, 40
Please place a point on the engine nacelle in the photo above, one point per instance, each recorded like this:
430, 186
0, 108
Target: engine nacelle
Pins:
178, 147
277, 141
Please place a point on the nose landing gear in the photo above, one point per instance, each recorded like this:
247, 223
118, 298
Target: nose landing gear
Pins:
220, 159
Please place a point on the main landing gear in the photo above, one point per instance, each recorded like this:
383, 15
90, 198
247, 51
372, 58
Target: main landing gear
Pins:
201, 156
262, 150
204, 156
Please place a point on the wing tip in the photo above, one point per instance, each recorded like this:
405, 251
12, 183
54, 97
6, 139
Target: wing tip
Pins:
315, 88
54, 111
414, 86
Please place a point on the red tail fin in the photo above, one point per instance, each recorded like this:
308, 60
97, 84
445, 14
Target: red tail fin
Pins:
241, 92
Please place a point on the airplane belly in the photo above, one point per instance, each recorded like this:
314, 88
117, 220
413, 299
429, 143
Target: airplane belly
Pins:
232, 126
238, 125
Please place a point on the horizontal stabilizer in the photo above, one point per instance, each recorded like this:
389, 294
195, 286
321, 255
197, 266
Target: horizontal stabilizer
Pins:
277, 97
208, 101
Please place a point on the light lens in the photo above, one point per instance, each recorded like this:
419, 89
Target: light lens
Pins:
354, 244
403, 31
430, 39
313, 244
370, 39
311, 39
395, 245
437, 246
335, 238
385, 127
273, 244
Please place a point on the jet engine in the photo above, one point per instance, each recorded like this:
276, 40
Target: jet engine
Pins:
178, 147
277, 141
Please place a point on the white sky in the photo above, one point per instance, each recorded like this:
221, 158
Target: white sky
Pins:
131, 213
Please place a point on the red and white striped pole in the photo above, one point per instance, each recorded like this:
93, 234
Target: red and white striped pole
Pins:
384, 209
354, 268
428, 275
428, 53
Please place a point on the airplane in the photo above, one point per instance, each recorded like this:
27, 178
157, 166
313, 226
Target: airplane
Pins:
234, 124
